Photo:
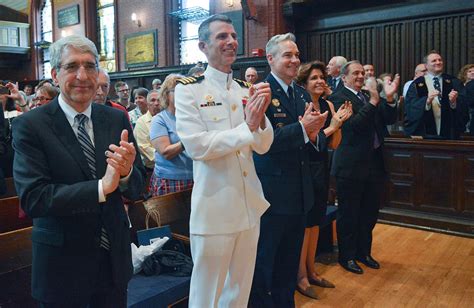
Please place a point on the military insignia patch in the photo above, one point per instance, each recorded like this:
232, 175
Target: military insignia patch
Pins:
448, 80
421, 84
275, 102
243, 84
245, 100
190, 80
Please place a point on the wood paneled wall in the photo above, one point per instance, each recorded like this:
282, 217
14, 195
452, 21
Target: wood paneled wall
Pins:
396, 46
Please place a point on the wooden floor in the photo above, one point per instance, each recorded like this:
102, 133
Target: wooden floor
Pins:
418, 269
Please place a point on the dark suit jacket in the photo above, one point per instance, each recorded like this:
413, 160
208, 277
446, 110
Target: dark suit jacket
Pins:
339, 86
284, 169
57, 190
3, 150
355, 158
421, 122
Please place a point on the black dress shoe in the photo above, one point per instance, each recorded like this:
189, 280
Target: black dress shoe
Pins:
351, 266
370, 262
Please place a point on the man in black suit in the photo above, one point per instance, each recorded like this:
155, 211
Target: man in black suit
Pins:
285, 177
358, 164
334, 72
433, 106
73, 164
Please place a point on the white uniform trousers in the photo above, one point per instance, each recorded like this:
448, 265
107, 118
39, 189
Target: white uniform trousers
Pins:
223, 268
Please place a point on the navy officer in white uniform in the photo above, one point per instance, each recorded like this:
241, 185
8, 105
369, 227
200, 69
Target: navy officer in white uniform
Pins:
220, 122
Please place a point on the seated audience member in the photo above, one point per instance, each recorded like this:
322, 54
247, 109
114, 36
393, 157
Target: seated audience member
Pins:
156, 84
139, 95
251, 75
433, 107
173, 167
103, 90
466, 75
312, 76
196, 71
420, 70
142, 130
44, 95
358, 164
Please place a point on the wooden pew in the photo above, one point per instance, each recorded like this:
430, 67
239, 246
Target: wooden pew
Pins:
9, 220
15, 269
11, 190
162, 290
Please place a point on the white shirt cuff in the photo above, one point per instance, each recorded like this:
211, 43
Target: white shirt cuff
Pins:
101, 193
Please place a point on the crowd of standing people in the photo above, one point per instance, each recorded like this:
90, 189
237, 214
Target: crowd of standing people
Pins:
256, 155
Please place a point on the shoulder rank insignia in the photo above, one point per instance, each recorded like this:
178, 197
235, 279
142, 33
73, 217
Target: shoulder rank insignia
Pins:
243, 84
190, 80
421, 84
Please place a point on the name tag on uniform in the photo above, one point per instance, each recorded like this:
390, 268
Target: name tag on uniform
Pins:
279, 115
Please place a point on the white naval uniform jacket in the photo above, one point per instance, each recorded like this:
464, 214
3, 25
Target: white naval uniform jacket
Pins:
227, 196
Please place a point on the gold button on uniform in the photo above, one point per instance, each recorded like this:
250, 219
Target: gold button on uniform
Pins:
234, 107
245, 173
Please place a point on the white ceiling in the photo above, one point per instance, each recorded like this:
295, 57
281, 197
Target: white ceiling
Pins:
17, 5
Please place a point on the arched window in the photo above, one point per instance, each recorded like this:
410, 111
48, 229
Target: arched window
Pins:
46, 13
188, 32
106, 34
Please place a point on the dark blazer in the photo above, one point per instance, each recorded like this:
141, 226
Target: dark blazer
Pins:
57, 190
355, 157
284, 169
3, 150
339, 86
421, 122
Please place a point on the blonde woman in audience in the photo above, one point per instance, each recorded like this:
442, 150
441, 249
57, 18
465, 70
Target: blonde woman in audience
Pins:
173, 167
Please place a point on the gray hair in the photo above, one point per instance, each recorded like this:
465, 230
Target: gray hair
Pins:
345, 68
340, 61
203, 31
101, 70
148, 97
272, 45
156, 81
196, 70
77, 42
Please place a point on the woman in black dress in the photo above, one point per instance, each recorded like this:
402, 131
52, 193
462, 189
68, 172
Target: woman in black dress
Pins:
312, 76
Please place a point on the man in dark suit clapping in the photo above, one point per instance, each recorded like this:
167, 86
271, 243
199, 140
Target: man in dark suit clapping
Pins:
358, 164
73, 164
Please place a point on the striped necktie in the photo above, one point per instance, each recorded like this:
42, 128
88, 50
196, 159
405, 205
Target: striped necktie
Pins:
89, 151
437, 87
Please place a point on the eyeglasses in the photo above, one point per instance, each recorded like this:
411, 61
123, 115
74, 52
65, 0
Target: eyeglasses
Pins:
41, 98
72, 68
